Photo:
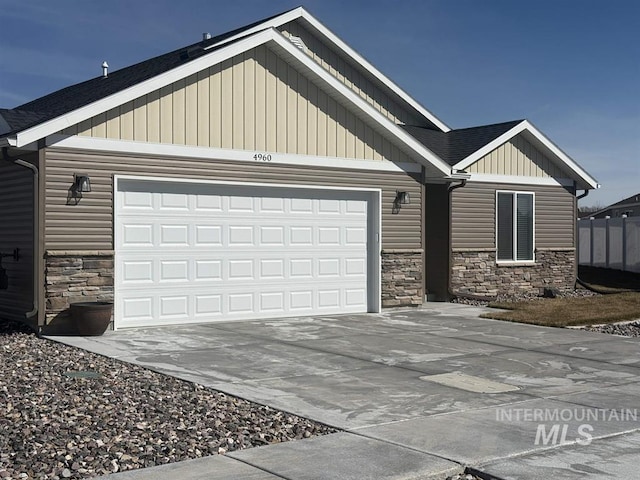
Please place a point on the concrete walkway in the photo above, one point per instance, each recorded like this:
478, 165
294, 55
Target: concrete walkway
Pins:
419, 393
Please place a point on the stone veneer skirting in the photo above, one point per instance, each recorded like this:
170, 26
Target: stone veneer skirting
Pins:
402, 278
477, 273
76, 276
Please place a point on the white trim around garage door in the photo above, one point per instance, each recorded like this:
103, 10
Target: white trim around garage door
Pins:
374, 226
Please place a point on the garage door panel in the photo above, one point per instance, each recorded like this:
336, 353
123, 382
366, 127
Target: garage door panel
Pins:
193, 253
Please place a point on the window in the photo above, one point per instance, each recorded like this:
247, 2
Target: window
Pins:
514, 229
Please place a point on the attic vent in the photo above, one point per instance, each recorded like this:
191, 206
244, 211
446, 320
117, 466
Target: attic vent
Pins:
297, 41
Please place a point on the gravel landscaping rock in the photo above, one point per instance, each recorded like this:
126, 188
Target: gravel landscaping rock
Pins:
483, 302
626, 329
67, 413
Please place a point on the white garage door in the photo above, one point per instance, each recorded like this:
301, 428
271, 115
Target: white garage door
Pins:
191, 252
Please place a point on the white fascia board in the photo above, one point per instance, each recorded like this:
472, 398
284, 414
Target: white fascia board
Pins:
427, 157
300, 12
223, 154
555, 151
83, 113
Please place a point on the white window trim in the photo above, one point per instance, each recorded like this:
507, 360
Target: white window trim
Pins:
515, 228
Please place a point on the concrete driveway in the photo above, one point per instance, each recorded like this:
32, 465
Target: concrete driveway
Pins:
420, 393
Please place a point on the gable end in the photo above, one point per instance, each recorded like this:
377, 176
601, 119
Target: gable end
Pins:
518, 157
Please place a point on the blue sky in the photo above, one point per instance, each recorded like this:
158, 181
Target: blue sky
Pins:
572, 67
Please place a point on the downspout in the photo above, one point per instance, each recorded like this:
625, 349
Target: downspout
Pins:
34, 169
450, 189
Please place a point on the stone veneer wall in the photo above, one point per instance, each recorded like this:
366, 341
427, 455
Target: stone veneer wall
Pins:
402, 278
477, 273
77, 276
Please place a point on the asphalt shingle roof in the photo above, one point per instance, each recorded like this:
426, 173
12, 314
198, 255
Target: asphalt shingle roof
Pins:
76, 96
456, 145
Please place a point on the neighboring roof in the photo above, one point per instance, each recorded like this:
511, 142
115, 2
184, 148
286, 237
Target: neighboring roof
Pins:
75, 96
633, 199
456, 145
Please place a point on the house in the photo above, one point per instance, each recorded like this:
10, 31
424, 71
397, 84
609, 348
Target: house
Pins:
629, 207
270, 171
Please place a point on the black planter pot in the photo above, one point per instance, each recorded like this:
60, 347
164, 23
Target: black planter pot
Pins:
91, 318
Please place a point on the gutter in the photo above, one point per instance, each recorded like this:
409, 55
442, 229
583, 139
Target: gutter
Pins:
586, 192
34, 169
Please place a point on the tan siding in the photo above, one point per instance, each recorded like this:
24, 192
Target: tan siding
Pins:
153, 117
555, 218
473, 215
88, 225
255, 101
16, 218
518, 157
352, 76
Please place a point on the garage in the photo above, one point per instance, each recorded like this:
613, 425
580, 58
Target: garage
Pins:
193, 252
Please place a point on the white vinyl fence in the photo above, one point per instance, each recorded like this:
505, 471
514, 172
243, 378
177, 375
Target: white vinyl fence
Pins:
610, 243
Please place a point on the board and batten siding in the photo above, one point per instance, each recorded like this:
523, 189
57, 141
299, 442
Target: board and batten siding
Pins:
352, 76
255, 101
16, 219
474, 210
88, 225
518, 157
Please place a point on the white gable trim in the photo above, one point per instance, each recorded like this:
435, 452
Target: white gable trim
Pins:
525, 126
119, 98
151, 149
300, 12
426, 156
308, 66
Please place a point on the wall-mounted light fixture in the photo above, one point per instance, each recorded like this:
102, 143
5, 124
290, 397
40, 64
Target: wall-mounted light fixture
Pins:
402, 198
81, 182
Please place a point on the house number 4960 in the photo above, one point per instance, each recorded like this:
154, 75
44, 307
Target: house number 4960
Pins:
262, 157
